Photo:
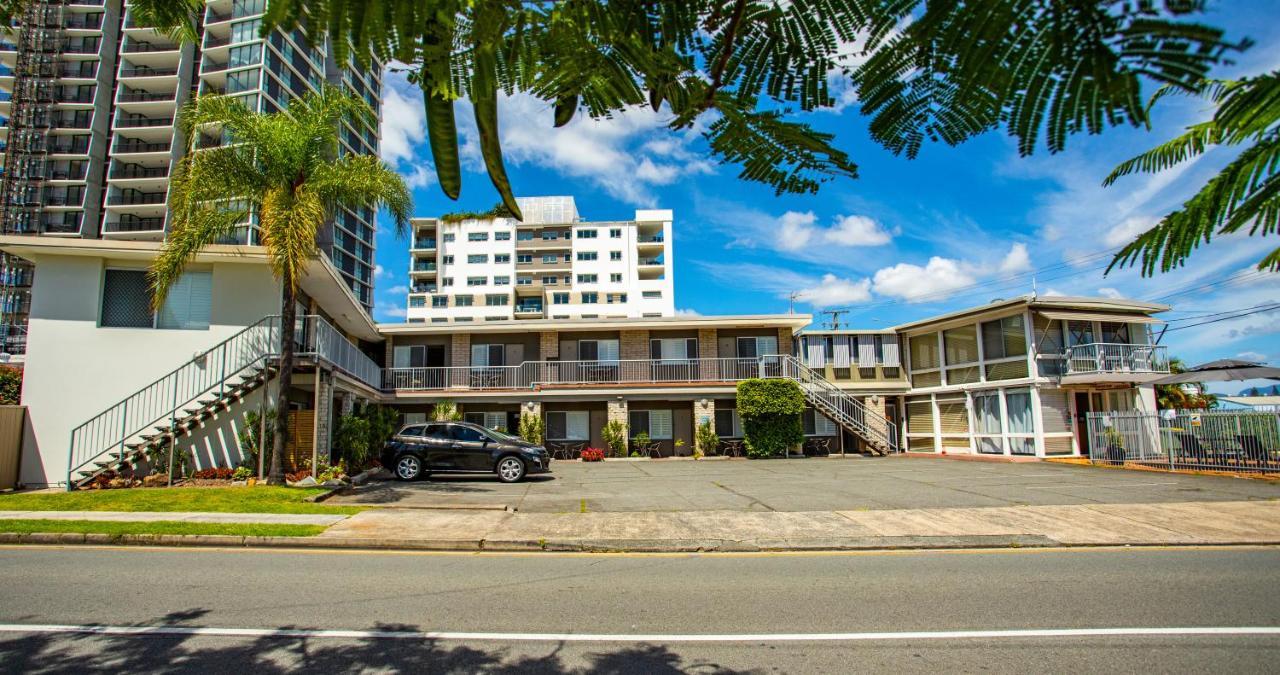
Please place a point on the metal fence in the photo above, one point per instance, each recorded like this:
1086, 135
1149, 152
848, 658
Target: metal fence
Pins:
1188, 440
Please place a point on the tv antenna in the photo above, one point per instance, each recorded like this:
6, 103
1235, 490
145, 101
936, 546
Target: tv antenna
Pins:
793, 296
834, 321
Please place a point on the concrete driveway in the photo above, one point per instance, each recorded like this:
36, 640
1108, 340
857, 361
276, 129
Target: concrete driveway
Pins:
832, 484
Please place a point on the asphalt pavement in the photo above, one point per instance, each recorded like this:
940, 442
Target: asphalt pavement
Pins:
815, 484
223, 610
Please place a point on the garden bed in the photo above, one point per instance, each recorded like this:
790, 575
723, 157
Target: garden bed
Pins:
220, 499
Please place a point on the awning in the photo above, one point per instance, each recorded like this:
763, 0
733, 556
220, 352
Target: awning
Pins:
1096, 316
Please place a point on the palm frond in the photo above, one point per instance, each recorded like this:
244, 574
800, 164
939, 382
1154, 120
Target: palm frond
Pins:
363, 181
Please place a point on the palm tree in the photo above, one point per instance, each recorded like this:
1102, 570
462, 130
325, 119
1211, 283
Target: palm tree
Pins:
286, 168
1188, 396
1245, 194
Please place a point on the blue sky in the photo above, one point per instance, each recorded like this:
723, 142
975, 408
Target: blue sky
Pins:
909, 238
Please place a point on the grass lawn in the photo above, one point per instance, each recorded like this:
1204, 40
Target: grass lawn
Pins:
258, 499
160, 527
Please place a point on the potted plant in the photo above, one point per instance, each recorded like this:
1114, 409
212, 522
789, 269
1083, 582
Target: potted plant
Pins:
614, 434
706, 440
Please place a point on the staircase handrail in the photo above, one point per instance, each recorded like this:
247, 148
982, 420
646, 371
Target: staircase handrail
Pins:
162, 399
858, 415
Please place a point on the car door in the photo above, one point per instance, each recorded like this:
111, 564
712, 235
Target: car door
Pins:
471, 448
437, 446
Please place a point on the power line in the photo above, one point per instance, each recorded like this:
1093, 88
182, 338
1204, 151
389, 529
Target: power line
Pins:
1211, 315
1200, 284
1240, 315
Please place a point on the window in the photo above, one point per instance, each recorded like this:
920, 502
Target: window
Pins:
597, 350
477, 281
524, 235
524, 259
673, 349
550, 259
568, 426
488, 356
492, 300
728, 424
448, 260
587, 278
1003, 338
477, 259
988, 429
751, 347
587, 234
584, 256
615, 255
447, 281
502, 258
616, 298
449, 236
817, 424
615, 233
559, 298
1115, 333
126, 299
550, 235
655, 423
568, 279
1017, 403
463, 300
960, 346
462, 318
502, 236
652, 295
440, 301
417, 301
550, 280
189, 303
466, 434
245, 31
502, 281
524, 281
477, 236
590, 298
615, 278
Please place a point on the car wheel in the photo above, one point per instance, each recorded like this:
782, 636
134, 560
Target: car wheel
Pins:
510, 469
408, 467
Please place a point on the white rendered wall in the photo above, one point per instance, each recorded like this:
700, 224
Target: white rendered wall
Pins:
75, 369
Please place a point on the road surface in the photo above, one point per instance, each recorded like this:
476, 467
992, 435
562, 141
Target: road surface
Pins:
276, 611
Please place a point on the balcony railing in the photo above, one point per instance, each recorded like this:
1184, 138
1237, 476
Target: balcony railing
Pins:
148, 72
134, 198
134, 47
424, 267
136, 225
135, 171
128, 121
144, 96
1108, 357
550, 374
122, 148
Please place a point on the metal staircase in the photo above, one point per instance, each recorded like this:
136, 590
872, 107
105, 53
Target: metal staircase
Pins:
174, 405
843, 409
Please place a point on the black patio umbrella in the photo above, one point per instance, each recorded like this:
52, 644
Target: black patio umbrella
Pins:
1223, 370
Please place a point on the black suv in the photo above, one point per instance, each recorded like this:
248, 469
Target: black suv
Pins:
420, 449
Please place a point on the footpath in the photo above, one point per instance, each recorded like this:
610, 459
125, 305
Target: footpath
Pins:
1180, 523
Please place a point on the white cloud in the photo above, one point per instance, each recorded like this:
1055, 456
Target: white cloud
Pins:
1110, 293
936, 280
626, 155
1052, 293
404, 124
1128, 229
397, 290
385, 310
1016, 260
795, 230
687, 312
860, 231
1252, 356
378, 271
831, 291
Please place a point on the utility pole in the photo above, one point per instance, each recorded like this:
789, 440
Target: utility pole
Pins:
834, 321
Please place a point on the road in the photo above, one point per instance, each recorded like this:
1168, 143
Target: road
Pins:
620, 613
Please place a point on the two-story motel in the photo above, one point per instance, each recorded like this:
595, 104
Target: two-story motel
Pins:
106, 377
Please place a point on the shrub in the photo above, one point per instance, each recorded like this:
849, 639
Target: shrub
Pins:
705, 438
352, 438
242, 473
532, 428
249, 444
445, 411
614, 434
220, 473
10, 385
770, 412
593, 455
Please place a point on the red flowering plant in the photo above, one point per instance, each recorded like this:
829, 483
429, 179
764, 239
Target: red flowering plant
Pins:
593, 455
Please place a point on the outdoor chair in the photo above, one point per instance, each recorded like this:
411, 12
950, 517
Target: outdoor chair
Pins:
731, 448
1253, 450
1192, 451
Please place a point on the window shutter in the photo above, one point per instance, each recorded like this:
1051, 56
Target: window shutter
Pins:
866, 351
817, 353
841, 358
126, 299
400, 357
480, 355
822, 426
577, 426
890, 358
608, 350
660, 424
953, 416
493, 420
767, 345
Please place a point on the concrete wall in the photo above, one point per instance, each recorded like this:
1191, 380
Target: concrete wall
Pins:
76, 369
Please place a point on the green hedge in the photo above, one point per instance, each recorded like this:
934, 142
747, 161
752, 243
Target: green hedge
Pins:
771, 416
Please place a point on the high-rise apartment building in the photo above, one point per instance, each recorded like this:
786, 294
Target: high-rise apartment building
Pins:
87, 117
553, 265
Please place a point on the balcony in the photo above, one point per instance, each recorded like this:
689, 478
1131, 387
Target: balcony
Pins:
423, 288
424, 244
136, 47
135, 121
140, 96
136, 198
134, 224
423, 266
132, 147
1113, 362
143, 71
536, 375
137, 171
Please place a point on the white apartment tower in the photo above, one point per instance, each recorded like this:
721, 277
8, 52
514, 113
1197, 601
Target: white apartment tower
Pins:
553, 265
88, 100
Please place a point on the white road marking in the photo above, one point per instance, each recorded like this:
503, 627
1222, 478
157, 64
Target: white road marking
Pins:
626, 637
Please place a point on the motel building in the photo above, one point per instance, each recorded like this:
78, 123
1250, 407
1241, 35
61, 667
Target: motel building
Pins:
108, 380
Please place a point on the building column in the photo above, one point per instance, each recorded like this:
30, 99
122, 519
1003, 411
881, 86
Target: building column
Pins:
704, 410
633, 345
784, 341
876, 418
616, 409
708, 349
391, 352
322, 447
460, 350
548, 345
347, 403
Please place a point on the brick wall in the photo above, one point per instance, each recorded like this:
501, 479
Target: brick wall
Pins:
708, 348
634, 344
548, 345
784, 340
460, 353
704, 412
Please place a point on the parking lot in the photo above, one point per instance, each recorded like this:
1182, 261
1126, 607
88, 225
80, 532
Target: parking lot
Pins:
807, 485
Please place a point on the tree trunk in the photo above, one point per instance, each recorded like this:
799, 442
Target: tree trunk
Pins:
288, 317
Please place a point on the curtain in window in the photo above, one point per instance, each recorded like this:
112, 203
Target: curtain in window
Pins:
660, 424
924, 352
189, 303
986, 411
1018, 404
841, 357
961, 344
866, 351
767, 345
889, 356
817, 353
